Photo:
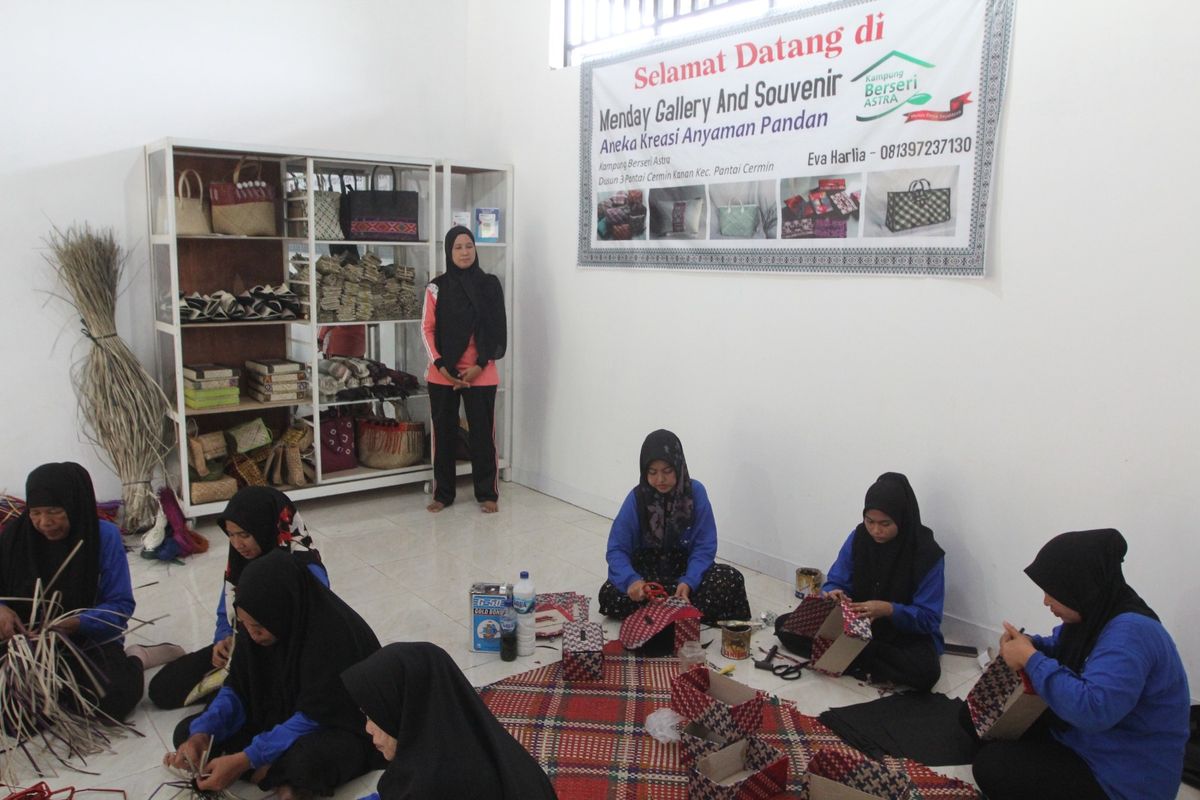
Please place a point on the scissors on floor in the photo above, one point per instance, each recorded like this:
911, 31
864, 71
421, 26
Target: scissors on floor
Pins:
788, 672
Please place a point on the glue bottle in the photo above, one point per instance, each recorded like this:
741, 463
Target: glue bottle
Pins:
525, 602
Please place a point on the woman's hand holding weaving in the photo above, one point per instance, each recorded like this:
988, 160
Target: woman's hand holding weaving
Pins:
221, 650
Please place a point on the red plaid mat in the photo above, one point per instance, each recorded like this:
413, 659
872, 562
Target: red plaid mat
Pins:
591, 741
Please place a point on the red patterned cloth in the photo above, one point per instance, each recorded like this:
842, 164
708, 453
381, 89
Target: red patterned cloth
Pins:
592, 742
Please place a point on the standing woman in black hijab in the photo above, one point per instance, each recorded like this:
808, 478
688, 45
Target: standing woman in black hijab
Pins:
465, 331
1113, 681
283, 719
60, 514
257, 520
893, 570
437, 736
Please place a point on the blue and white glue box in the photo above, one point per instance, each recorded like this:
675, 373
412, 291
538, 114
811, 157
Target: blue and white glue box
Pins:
487, 606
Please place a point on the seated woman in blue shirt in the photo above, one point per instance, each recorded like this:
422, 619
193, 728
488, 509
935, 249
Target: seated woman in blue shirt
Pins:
60, 515
283, 719
257, 520
665, 533
1116, 689
892, 570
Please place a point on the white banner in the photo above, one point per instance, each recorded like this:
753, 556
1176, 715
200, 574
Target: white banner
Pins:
857, 137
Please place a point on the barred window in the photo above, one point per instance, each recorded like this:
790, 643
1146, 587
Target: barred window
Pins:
594, 28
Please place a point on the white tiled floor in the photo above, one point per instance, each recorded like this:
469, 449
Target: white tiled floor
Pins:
407, 572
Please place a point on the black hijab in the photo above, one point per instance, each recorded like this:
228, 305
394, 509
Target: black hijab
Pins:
448, 744
271, 518
318, 636
470, 302
1082, 570
662, 518
893, 570
26, 555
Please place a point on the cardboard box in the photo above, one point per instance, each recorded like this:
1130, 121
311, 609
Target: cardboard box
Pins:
1002, 703
745, 770
838, 634
730, 709
583, 651
842, 773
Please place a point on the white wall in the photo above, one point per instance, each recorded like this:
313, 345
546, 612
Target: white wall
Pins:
88, 85
1060, 393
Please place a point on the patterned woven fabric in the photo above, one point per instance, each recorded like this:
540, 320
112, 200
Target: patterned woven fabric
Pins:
695, 741
554, 608
770, 768
583, 656
690, 698
993, 693
652, 618
917, 208
592, 742
852, 768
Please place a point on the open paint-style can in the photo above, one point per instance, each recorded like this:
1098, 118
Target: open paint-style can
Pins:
808, 581
735, 641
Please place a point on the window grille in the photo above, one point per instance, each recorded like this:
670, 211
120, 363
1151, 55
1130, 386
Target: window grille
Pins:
593, 28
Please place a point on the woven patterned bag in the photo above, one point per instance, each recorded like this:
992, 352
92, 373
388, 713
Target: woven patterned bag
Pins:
834, 768
729, 709
583, 651
918, 207
191, 213
654, 617
746, 770
390, 444
247, 436
327, 211
245, 471
1002, 703
214, 491
740, 221
244, 206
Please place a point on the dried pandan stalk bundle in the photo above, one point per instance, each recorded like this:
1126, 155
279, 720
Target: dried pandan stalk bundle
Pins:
124, 410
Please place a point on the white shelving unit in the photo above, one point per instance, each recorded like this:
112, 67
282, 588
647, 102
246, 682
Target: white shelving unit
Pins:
206, 263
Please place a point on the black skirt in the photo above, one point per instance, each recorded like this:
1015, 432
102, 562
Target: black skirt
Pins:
721, 594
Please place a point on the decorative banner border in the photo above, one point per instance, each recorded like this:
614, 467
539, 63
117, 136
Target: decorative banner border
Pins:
858, 137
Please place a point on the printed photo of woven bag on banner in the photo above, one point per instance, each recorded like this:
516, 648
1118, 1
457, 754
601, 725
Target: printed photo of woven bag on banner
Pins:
829, 210
912, 203
621, 215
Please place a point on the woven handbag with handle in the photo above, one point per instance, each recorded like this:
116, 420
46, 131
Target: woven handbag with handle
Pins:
327, 210
191, 213
380, 215
244, 206
918, 207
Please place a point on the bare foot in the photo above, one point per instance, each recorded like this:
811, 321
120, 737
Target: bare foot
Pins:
435, 506
489, 507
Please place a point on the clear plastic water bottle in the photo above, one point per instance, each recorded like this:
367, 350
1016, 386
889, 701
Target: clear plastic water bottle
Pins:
525, 603
508, 632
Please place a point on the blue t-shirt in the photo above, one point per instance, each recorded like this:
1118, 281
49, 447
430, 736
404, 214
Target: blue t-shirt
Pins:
1127, 713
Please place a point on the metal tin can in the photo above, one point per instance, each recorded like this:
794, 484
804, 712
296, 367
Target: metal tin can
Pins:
735, 641
486, 602
808, 581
